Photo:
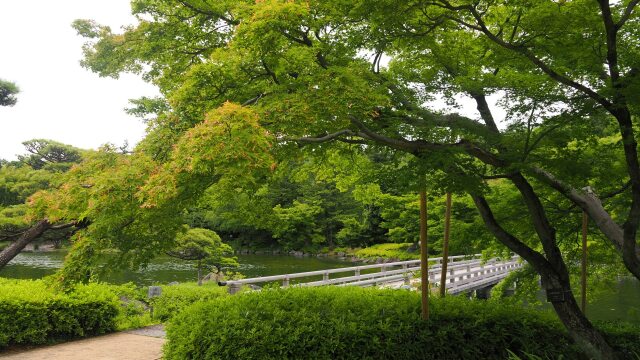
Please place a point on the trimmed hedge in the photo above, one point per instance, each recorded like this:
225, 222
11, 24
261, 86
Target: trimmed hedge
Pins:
355, 323
174, 298
31, 313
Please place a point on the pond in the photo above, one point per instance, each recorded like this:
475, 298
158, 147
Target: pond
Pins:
623, 302
34, 265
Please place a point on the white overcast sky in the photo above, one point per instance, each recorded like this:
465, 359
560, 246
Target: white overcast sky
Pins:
60, 100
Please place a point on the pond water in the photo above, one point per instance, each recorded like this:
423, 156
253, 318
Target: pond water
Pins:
34, 265
622, 303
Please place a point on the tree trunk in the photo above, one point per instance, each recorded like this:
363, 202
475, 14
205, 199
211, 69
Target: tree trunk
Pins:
556, 278
588, 338
28, 236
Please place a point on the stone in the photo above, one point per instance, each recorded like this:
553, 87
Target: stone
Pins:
154, 291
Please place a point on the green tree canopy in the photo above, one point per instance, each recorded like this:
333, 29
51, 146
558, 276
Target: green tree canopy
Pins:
50, 155
362, 73
8, 92
205, 248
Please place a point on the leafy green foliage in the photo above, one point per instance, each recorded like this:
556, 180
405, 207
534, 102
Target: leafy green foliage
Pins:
17, 183
50, 155
355, 323
201, 244
40, 169
311, 72
206, 248
389, 251
623, 336
33, 313
8, 92
176, 298
135, 204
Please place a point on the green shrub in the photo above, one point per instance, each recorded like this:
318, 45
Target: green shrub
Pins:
134, 307
388, 251
622, 336
177, 297
32, 313
355, 323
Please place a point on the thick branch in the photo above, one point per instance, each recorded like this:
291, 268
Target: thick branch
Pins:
418, 147
485, 111
253, 100
612, 38
627, 13
325, 138
588, 202
426, 117
544, 229
533, 257
28, 236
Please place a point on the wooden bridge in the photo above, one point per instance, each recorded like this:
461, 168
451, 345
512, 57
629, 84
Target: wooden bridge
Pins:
464, 274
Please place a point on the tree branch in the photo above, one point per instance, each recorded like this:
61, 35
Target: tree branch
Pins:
453, 121
627, 14
417, 147
325, 138
563, 79
195, 9
533, 257
588, 202
546, 232
611, 31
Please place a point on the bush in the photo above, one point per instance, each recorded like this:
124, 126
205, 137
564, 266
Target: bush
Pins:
31, 313
177, 297
389, 251
622, 336
355, 323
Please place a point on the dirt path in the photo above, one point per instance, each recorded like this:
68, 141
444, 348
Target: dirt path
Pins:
141, 344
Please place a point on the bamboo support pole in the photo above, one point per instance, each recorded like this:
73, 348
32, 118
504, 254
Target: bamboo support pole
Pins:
583, 277
445, 245
424, 256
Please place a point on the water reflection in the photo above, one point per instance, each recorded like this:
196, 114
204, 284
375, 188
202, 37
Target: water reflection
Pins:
34, 265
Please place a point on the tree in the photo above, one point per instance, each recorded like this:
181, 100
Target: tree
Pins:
50, 155
205, 248
312, 72
8, 92
21, 179
135, 206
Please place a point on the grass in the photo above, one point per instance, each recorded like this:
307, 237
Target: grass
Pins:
389, 251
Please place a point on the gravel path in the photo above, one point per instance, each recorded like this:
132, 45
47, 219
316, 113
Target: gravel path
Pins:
139, 344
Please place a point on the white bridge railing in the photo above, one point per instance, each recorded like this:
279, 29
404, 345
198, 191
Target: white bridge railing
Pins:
464, 273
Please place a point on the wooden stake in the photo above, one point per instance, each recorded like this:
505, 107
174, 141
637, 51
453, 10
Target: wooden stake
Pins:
445, 245
424, 256
583, 282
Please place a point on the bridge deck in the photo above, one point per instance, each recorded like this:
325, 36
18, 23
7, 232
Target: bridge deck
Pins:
464, 274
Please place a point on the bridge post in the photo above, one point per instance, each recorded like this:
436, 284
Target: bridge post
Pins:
451, 276
325, 277
357, 272
285, 282
233, 288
